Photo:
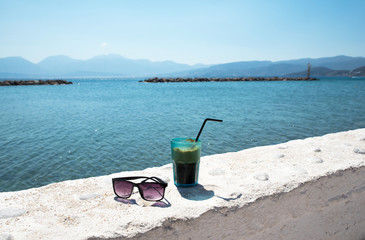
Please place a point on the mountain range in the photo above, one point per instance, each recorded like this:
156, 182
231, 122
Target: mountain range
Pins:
103, 65
116, 65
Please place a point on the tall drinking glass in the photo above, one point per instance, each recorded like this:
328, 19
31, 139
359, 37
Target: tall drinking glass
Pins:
185, 154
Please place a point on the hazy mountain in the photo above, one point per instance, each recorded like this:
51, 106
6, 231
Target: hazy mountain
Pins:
327, 72
321, 72
104, 65
18, 66
116, 65
243, 69
238, 69
276, 69
122, 66
335, 63
4, 75
279, 68
358, 72
225, 70
59, 64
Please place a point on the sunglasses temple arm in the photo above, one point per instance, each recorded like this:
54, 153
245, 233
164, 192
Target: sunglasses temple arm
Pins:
158, 179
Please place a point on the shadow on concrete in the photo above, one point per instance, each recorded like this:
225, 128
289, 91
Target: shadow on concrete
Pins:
196, 193
164, 203
125, 201
230, 199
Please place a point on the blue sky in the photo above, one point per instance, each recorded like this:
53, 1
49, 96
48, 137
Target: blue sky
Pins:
205, 31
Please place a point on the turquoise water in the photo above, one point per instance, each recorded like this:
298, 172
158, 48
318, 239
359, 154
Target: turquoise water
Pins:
101, 126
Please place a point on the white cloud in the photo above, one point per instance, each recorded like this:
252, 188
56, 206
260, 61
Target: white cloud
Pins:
104, 44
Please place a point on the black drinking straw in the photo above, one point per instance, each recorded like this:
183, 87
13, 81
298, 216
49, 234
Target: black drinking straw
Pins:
201, 129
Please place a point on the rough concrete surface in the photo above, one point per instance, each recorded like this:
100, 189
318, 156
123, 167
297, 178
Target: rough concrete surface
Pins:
303, 189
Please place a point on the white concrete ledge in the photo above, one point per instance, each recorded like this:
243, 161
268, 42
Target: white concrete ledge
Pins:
302, 189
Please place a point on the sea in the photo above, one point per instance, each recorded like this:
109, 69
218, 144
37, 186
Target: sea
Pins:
99, 126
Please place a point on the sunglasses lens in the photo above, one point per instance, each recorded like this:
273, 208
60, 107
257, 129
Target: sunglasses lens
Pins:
123, 188
152, 191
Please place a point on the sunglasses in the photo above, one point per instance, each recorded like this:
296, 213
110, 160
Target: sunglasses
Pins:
150, 189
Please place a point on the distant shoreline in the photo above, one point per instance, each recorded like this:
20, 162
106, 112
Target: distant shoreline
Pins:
33, 82
240, 79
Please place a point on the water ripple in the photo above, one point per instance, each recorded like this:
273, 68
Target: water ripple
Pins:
101, 127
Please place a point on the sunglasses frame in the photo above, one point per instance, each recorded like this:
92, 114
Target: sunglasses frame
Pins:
127, 179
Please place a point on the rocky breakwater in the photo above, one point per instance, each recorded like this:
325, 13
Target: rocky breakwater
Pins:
33, 82
239, 79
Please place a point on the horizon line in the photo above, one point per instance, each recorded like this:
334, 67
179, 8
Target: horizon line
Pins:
146, 59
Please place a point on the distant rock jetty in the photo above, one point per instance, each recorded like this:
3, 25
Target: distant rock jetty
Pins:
241, 79
33, 82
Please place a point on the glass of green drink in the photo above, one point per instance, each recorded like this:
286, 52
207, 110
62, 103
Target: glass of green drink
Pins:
185, 154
